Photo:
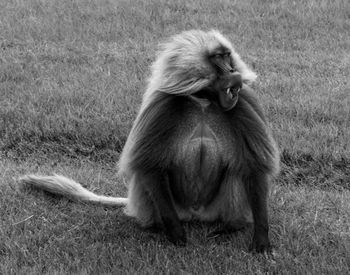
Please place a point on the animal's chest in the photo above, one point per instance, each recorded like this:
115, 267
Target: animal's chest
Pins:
200, 158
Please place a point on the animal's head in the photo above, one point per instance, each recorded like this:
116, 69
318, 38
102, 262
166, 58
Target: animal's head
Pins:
195, 60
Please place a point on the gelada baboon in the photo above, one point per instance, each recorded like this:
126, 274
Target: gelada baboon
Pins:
200, 147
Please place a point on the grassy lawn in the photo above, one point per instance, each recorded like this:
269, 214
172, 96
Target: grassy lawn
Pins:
71, 78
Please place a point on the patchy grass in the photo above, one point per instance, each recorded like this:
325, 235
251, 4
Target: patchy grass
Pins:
71, 78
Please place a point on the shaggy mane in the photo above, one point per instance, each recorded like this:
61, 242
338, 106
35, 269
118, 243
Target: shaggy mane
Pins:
182, 66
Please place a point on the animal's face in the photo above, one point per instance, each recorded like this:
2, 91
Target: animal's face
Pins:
228, 80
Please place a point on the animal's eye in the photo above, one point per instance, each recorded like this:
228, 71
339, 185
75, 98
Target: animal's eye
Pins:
228, 54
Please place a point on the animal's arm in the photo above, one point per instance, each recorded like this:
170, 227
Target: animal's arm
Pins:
248, 122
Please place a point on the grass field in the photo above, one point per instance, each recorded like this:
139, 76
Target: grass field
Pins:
71, 78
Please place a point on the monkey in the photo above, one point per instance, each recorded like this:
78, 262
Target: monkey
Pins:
200, 147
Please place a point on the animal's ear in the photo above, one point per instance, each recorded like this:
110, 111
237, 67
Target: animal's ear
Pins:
248, 76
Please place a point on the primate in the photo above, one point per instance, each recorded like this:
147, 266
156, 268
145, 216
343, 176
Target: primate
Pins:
200, 147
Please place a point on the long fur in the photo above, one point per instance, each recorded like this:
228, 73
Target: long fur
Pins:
63, 186
181, 68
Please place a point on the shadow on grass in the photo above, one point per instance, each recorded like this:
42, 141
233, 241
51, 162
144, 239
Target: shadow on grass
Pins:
324, 172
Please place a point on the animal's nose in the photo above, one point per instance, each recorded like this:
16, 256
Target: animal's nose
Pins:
236, 79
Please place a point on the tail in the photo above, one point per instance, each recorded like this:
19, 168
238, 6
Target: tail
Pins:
69, 188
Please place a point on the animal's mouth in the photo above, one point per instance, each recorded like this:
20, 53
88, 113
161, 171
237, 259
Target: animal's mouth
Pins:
228, 97
232, 92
